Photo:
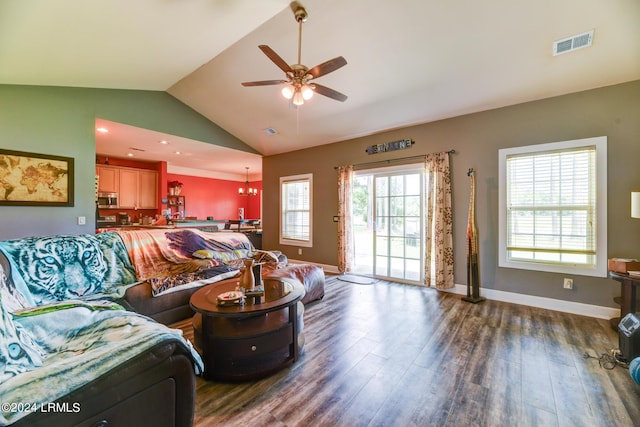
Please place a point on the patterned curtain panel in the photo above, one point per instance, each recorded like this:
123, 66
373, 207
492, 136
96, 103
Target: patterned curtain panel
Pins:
438, 265
345, 239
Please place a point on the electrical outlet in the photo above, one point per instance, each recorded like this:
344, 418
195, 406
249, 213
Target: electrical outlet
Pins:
82, 220
299, 251
568, 283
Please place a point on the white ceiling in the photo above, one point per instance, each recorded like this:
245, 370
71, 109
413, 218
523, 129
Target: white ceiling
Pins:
409, 61
183, 156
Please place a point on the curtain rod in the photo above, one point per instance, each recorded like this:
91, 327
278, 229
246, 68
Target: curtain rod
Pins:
422, 156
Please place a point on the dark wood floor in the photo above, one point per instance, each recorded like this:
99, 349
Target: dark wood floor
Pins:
389, 354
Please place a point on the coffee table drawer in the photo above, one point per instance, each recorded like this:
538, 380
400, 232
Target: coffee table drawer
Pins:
253, 346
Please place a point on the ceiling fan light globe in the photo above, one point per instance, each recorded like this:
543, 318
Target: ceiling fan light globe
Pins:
298, 99
307, 92
288, 91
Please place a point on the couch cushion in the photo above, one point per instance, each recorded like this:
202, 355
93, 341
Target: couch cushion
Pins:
18, 351
83, 341
55, 268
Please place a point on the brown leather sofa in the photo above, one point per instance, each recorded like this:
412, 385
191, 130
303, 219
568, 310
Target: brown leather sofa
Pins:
123, 397
173, 307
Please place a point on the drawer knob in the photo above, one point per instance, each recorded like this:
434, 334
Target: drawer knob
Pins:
254, 348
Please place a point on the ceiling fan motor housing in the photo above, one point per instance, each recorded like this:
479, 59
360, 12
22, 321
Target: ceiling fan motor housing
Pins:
299, 12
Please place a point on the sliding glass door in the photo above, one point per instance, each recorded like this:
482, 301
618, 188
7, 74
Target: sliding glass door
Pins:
388, 223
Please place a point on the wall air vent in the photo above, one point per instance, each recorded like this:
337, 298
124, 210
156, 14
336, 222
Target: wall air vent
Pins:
572, 43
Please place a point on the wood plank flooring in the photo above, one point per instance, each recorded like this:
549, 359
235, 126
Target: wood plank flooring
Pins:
390, 354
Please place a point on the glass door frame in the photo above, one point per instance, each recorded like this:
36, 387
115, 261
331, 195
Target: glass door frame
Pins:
418, 236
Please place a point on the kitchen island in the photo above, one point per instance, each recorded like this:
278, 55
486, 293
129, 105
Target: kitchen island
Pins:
247, 227
200, 225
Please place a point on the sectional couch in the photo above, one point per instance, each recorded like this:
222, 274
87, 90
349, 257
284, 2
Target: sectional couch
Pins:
78, 341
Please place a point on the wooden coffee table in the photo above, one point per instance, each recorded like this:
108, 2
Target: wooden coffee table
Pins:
242, 342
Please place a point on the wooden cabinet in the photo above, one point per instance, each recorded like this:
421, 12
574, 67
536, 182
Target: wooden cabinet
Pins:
109, 179
136, 188
147, 189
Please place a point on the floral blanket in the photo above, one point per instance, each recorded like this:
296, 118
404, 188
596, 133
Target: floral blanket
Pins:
170, 259
77, 342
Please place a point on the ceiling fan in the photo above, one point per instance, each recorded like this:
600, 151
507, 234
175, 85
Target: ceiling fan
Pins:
299, 87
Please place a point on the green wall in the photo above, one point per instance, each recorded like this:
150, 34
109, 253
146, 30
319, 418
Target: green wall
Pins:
611, 111
60, 121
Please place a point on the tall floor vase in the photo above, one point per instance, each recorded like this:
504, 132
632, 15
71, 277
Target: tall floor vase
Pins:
473, 272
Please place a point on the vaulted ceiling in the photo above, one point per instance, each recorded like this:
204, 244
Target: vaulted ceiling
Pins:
408, 61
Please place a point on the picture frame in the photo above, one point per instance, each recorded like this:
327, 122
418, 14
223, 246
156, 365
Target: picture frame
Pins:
33, 179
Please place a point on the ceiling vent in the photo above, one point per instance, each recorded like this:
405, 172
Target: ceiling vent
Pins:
573, 43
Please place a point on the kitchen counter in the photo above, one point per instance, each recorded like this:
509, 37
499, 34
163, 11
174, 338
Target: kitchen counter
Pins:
243, 226
201, 225
254, 234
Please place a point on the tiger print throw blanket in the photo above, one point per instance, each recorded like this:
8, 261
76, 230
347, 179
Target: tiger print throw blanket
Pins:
56, 268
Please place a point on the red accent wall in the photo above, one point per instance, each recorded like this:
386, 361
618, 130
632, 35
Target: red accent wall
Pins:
204, 196
218, 198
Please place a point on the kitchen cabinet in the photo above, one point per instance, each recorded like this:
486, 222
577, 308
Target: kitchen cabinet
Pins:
147, 189
108, 179
138, 189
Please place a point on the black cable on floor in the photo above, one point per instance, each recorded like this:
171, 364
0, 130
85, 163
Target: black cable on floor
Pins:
609, 360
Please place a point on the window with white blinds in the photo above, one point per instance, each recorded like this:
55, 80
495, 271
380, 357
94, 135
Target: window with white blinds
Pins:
553, 207
296, 210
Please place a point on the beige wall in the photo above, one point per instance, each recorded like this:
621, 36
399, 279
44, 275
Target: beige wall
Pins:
611, 111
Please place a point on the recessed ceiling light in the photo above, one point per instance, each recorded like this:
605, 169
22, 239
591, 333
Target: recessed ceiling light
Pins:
178, 152
130, 154
164, 142
270, 131
102, 130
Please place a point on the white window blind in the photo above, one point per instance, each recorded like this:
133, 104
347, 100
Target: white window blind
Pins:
295, 210
552, 212
551, 207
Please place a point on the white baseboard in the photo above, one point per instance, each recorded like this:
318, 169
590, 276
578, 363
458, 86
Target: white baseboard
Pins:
543, 302
582, 309
333, 269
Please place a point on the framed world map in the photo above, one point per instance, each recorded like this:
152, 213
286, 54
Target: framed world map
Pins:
30, 179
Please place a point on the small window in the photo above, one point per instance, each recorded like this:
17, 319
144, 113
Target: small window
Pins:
295, 210
552, 207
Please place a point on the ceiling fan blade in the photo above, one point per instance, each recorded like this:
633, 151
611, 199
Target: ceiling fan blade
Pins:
264, 83
275, 58
328, 92
327, 67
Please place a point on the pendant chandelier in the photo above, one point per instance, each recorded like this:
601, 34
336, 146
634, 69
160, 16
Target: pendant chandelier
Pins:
246, 190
